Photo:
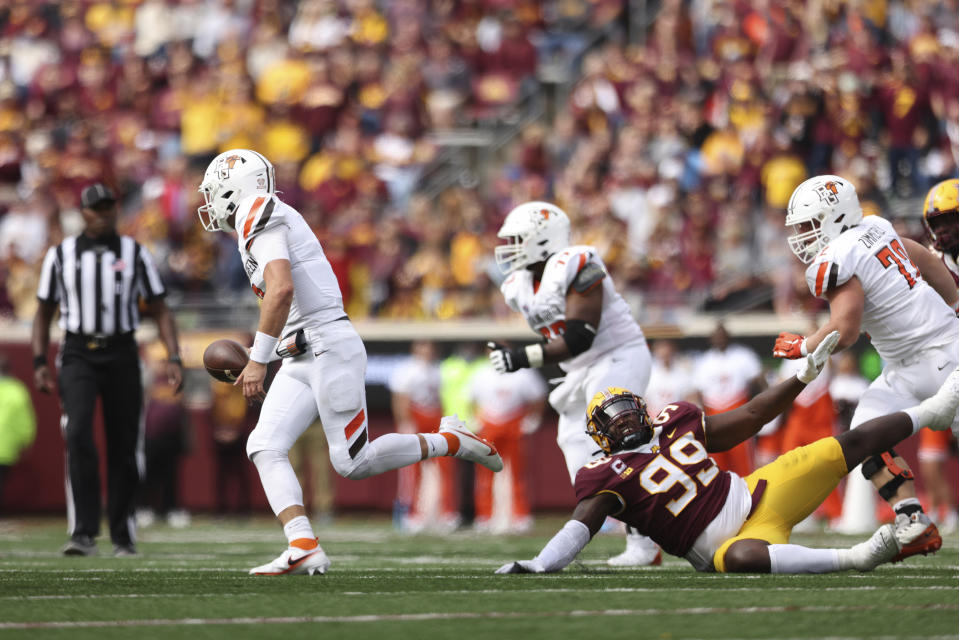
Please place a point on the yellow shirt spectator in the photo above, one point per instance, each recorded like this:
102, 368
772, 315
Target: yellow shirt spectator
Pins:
780, 176
283, 82
283, 141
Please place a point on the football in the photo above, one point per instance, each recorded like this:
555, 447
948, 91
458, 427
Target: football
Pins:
225, 359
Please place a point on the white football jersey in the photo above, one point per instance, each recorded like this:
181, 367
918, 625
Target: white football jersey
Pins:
502, 397
902, 314
316, 294
667, 385
543, 304
420, 380
815, 389
722, 377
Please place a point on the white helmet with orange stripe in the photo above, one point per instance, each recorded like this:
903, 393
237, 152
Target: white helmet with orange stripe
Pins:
533, 232
232, 176
819, 210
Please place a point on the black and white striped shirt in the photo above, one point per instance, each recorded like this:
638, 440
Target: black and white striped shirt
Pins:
98, 282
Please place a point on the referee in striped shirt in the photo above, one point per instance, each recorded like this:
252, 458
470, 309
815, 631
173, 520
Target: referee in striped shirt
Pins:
97, 279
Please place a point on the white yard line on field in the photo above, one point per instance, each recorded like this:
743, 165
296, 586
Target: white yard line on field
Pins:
453, 592
464, 615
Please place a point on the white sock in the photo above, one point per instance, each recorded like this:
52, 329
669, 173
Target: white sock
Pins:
279, 482
394, 450
436, 445
793, 558
298, 527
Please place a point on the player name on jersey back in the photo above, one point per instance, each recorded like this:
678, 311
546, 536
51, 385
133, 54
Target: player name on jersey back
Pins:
902, 314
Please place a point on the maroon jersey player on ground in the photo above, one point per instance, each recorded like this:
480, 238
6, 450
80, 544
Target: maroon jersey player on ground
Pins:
657, 476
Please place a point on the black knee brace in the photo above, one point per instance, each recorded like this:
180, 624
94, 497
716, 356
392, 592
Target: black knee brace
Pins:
873, 464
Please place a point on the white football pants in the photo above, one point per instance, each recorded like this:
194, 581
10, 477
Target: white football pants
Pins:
327, 381
902, 384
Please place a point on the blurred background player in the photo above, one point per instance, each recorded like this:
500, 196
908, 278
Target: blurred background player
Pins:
456, 381
846, 387
671, 377
426, 493
232, 420
508, 407
167, 438
902, 296
940, 216
726, 376
566, 295
811, 417
324, 365
18, 422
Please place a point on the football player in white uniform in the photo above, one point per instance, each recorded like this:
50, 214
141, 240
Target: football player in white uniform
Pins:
567, 297
876, 282
302, 320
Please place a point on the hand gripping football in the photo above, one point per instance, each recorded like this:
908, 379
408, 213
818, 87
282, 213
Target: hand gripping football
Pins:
224, 359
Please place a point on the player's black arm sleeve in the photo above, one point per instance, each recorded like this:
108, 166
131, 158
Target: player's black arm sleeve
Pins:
725, 430
583, 312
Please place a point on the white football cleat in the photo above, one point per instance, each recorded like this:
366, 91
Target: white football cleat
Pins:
939, 412
640, 552
295, 561
881, 547
470, 447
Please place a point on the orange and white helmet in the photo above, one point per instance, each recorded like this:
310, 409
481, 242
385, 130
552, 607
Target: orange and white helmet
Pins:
617, 420
941, 216
232, 176
533, 232
819, 210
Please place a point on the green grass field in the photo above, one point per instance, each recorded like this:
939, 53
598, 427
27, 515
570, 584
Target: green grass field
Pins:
386, 585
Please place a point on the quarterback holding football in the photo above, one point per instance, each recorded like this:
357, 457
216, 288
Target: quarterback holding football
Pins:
324, 360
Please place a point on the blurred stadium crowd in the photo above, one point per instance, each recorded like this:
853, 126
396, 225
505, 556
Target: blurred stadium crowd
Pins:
674, 149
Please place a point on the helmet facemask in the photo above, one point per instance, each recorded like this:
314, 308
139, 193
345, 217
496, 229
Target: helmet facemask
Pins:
943, 228
940, 214
619, 423
819, 210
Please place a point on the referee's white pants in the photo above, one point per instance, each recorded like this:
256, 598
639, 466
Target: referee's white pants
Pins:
901, 385
326, 382
627, 367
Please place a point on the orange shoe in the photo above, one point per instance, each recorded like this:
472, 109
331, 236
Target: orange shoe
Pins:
916, 534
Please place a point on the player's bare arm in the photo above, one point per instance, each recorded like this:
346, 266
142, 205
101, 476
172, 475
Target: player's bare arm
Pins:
726, 430
588, 518
166, 327
846, 304
933, 271
273, 314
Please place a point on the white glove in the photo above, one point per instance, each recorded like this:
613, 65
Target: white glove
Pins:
816, 360
522, 566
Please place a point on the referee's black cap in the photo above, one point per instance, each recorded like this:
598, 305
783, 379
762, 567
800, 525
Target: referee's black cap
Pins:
96, 195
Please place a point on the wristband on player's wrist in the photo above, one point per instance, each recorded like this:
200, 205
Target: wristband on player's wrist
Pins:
39, 361
534, 355
263, 346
